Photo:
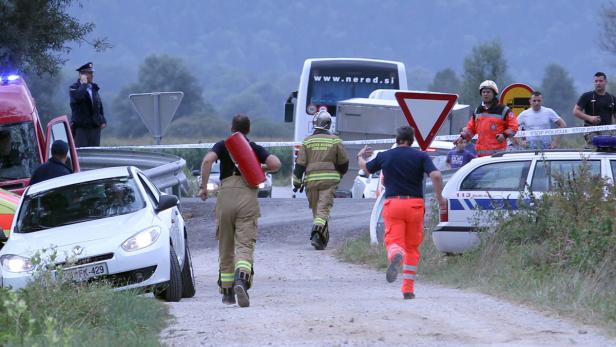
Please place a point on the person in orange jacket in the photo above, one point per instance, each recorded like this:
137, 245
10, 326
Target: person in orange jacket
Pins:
493, 122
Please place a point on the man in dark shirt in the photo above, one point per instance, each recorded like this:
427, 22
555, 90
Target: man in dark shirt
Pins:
596, 107
55, 166
237, 212
403, 172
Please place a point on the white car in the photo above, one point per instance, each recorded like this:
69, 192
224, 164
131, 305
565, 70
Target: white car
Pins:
213, 183
496, 182
109, 224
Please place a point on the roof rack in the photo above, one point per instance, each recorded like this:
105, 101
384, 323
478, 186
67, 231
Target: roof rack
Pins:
537, 151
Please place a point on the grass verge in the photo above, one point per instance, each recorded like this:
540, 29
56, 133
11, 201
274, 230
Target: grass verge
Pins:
555, 254
50, 314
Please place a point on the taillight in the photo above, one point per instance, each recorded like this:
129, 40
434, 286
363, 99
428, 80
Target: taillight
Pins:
444, 213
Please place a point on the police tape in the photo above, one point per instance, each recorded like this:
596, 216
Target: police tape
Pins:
526, 133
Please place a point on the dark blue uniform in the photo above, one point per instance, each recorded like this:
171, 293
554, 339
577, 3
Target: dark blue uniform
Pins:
51, 169
87, 114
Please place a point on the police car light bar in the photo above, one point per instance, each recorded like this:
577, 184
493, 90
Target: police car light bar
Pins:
8, 78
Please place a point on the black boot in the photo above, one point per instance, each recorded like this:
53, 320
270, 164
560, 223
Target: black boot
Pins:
394, 268
240, 286
228, 296
316, 239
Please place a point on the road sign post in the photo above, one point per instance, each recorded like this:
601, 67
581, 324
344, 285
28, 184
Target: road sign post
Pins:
425, 112
156, 110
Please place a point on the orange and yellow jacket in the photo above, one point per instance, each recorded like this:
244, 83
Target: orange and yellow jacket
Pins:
489, 122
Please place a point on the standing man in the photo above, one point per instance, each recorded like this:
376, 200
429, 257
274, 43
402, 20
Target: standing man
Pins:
494, 123
55, 166
321, 163
237, 212
88, 118
596, 107
538, 117
403, 168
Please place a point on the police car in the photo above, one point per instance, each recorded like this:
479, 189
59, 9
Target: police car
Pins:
496, 182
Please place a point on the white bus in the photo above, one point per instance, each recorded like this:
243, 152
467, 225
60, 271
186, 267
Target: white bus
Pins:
325, 81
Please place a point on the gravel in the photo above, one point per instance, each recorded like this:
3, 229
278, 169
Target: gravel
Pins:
303, 297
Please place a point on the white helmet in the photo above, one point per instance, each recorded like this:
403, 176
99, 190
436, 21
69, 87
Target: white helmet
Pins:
322, 120
488, 84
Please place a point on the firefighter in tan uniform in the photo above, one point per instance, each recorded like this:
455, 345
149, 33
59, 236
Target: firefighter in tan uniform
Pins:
237, 211
321, 162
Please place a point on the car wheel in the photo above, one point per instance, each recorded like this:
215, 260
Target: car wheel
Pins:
188, 277
172, 290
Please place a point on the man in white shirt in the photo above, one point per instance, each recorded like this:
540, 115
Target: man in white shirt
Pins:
539, 118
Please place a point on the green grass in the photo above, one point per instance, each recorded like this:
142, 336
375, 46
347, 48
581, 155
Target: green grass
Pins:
50, 314
557, 256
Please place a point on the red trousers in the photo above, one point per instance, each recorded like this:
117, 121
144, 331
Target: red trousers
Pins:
403, 234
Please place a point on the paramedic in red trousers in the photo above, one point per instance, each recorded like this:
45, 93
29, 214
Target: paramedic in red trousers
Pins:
403, 171
493, 122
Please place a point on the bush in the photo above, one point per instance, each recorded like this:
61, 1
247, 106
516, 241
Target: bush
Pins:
53, 313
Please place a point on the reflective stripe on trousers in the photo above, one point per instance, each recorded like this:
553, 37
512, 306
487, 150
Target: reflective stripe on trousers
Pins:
403, 234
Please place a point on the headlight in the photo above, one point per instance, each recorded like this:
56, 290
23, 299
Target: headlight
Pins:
141, 239
262, 185
212, 186
16, 263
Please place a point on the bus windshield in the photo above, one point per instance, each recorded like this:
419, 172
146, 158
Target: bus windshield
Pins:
332, 81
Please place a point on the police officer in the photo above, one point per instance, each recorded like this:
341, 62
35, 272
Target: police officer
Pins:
403, 210
237, 212
55, 166
321, 162
88, 118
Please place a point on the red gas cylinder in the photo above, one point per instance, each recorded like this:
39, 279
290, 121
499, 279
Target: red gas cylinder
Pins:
245, 159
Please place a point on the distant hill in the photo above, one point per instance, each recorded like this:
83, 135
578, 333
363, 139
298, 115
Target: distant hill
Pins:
233, 45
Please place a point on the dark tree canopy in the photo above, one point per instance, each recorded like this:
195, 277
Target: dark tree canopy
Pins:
34, 34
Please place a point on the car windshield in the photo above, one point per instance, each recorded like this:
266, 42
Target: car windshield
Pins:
78, 203
19, 155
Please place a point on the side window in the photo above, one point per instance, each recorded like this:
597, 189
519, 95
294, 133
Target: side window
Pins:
546, 171
154, 195
497, 176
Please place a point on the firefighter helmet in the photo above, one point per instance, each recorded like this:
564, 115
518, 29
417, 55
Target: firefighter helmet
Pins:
488, 84
322, 120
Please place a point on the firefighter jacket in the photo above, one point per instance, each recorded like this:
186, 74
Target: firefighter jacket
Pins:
322, 161
489, 122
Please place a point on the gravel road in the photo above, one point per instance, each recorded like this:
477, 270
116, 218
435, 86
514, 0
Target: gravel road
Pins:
302, 297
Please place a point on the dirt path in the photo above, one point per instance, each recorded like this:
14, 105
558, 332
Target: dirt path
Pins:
303, 297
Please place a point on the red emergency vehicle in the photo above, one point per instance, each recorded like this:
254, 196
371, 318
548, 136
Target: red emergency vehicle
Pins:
23, 143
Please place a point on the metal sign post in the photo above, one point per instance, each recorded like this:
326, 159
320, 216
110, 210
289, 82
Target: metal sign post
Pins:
156, 110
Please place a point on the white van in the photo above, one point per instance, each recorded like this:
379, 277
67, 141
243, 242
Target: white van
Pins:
496, 182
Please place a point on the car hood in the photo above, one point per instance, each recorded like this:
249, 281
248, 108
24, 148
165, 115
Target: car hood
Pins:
114, 230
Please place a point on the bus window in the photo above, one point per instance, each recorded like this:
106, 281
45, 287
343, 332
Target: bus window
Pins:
332, 81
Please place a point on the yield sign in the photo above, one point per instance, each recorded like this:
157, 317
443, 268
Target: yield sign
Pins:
425, 112
156, 110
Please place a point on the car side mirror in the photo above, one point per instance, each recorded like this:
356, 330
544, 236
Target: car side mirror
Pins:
166, 202
3, 237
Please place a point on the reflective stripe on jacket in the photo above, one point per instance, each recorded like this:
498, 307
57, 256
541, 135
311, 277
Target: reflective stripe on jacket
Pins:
498, 119
320, 153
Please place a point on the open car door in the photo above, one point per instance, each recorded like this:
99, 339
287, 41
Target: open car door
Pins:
59, 129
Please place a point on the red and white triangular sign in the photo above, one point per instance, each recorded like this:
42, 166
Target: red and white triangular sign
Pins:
425, 112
